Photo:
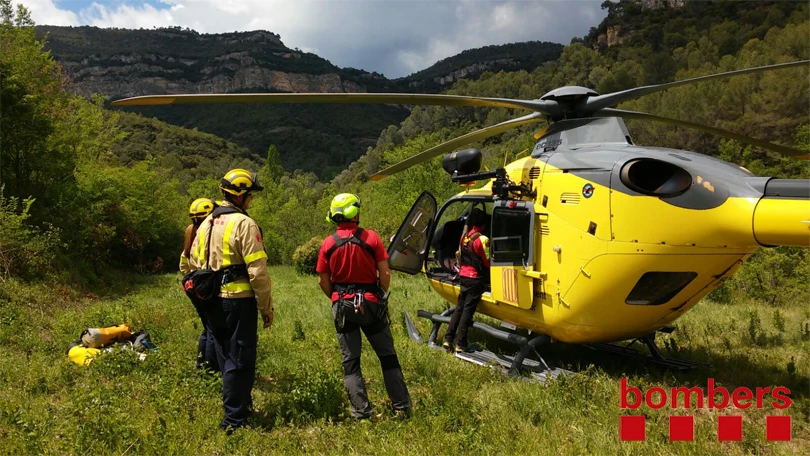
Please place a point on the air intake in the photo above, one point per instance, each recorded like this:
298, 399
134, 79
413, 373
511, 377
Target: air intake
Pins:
569, 198
649, 176
534, 173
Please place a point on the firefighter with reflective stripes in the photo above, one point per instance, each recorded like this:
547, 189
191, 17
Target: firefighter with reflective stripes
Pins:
474, 271
232, 243
353, 272
198, 211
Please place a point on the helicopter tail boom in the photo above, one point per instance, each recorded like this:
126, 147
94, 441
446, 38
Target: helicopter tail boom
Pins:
782, 216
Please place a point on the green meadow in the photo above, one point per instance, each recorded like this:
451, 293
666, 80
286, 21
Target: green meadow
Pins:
163, 405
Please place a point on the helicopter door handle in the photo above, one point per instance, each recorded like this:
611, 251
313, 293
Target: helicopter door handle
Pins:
534, 274
559, 296
562, 301
584, 272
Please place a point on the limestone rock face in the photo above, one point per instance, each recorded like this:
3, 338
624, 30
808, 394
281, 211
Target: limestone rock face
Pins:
157, 75
472, 70
122, 63
613, 36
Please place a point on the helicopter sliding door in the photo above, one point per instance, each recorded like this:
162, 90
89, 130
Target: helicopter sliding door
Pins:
512, 253
408, 249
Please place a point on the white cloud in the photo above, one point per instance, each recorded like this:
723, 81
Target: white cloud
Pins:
46, 12
125, 16
394, 37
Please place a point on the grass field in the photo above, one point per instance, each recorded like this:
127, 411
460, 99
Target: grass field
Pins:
120, 405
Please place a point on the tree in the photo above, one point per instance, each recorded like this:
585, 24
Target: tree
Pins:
273, 164
32, 103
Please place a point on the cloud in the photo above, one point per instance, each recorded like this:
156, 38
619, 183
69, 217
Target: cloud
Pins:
46, 12
393, 37
125, 16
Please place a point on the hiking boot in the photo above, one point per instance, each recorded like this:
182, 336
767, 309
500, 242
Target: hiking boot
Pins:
467, 348
373, 418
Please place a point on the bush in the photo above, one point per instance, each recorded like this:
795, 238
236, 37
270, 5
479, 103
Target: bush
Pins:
25, 251
305, 257
776, 276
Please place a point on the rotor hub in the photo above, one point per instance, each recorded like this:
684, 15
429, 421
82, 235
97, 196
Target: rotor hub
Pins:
563, 94
569, 98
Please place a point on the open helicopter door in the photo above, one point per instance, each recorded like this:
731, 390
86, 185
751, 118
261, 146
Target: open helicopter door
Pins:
409, 248
512, 253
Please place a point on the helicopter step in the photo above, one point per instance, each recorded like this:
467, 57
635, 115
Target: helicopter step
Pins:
512, 366
655, 355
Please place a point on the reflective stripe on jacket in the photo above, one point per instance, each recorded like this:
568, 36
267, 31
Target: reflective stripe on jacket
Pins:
185, 267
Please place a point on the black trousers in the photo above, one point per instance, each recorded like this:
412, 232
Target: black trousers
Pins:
378, 334
206, 351
462, 319
236, 355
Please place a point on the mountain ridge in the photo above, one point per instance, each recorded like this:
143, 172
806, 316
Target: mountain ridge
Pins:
120, 63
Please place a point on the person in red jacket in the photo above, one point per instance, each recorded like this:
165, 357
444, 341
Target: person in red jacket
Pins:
348, 266
474, 270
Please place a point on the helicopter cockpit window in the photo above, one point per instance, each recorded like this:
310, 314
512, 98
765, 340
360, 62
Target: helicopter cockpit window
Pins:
511, 240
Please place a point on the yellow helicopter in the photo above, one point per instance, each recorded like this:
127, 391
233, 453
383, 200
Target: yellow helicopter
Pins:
593, 239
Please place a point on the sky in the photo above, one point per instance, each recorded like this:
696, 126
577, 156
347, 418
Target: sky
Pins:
392, 37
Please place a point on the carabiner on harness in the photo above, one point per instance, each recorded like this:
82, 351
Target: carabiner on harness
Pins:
358, 304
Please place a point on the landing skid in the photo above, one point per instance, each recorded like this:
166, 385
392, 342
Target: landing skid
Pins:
512, 366
655, 355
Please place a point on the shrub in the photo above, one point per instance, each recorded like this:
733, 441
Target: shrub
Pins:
305, 257
777, 276
25, 251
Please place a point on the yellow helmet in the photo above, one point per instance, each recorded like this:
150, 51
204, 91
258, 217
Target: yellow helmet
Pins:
201, 208
344, 207
240, 181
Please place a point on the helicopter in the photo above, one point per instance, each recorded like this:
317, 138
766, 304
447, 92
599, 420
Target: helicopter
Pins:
594, 239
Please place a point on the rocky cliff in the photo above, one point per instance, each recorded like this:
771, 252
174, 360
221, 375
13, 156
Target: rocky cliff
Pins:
468, 71
473, 62
140, 76
120, 63
125, 63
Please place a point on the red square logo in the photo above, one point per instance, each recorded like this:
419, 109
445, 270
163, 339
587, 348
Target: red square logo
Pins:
681, 428
632, 428
729, 428
778, 429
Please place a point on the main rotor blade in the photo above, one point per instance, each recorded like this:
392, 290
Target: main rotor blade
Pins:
547, 107
455, 143
784, 150
598, 102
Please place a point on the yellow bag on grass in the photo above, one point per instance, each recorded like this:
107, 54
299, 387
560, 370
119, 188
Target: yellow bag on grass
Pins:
101, 337
82, 355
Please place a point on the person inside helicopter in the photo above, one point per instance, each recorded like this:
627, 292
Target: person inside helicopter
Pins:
446, 240
473, 260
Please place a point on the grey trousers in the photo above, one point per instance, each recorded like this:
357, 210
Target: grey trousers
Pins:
381, 340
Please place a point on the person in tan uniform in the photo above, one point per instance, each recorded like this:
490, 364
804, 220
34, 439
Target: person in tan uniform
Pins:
200, 209
230, 241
